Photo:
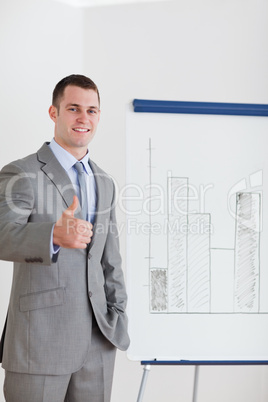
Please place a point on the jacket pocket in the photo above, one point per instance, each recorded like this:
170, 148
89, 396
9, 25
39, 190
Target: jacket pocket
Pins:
42, 299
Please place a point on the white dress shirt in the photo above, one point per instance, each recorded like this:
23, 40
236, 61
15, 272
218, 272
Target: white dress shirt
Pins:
68, 161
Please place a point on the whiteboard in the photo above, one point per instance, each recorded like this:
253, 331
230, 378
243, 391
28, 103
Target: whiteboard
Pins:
197, 235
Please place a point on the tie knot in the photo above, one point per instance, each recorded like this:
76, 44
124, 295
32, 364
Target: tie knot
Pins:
79, 167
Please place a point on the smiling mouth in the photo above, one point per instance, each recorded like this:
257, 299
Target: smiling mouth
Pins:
81, 130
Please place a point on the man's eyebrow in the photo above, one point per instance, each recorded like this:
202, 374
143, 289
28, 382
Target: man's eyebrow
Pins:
77, 105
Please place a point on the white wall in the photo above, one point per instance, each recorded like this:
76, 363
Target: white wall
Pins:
40, 43
183, 50
212, 50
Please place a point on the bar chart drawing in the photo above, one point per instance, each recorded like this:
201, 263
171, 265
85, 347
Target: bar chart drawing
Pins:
186, 284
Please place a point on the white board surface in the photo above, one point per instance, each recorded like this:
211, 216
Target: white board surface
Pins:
197, 235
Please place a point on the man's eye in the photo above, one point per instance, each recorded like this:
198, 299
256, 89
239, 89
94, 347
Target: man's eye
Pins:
73, 109
92, 111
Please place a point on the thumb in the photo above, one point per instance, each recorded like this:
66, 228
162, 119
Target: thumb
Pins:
72, 208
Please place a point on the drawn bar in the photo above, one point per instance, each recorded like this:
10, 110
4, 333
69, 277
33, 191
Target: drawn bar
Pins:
158, 290
222, 280
199, 279
236, 109
247, 248
177, 243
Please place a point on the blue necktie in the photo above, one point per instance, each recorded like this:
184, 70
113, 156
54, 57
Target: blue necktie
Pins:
82, 188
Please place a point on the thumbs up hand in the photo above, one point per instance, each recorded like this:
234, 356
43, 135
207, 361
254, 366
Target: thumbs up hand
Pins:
70, 232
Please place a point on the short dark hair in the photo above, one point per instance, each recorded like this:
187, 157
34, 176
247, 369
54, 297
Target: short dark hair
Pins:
76, 80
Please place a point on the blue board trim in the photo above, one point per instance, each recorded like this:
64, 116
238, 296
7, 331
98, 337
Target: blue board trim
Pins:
237, 109
203, 362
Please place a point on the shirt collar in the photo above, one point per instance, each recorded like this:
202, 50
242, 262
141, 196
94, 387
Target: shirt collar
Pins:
66, 159
86, 164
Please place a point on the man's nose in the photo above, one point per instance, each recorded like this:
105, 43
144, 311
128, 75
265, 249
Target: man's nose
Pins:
83, 116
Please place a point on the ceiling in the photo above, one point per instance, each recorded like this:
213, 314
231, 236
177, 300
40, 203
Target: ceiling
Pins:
95, 3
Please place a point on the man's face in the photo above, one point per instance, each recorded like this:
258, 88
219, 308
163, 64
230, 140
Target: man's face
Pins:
76, 120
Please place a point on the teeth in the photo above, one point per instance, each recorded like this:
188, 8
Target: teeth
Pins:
81, 130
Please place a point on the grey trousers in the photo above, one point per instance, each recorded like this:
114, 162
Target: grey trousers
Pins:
92, 383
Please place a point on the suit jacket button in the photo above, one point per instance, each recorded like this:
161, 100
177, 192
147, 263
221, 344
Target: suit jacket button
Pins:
90, 294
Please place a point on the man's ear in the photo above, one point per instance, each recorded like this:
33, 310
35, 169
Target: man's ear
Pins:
53, 113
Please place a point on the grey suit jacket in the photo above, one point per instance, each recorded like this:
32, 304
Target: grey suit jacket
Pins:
50, 311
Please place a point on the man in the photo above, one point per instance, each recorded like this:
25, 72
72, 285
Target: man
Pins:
66, 314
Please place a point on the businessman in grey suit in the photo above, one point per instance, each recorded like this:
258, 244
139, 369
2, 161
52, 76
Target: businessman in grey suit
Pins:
66, 314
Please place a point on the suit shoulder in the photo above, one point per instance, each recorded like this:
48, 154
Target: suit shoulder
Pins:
29, 162
21, 164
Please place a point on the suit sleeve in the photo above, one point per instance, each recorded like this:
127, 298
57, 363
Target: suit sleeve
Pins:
22, 237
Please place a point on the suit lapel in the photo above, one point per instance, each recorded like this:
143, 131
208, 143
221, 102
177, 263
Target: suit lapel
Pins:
55, 172
101, 204
60, 179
